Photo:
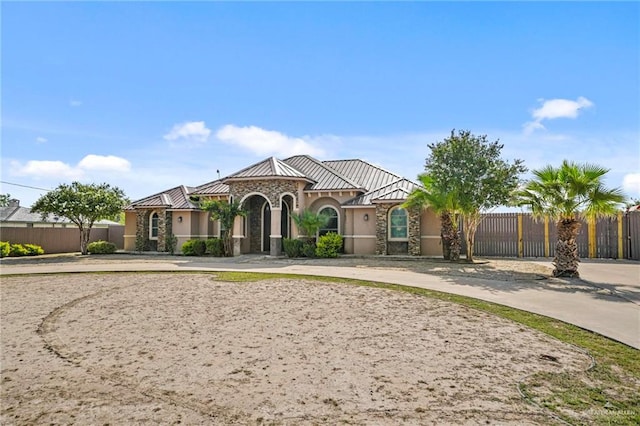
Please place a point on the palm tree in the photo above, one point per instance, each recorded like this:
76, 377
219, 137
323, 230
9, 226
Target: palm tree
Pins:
226, 213
443, 204
309, 223
566, 194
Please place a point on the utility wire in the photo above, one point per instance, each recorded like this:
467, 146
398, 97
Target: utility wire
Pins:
25, 186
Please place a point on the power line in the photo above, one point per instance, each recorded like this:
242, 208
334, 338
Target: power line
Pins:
25, 186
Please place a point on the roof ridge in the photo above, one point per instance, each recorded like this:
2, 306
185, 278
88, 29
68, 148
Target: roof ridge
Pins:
369, 164
331, 169
157, 194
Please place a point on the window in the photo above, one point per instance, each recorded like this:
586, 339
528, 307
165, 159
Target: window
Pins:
398, 224
332, 224
153, 229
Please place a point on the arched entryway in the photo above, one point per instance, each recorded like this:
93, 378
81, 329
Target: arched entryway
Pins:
258, 231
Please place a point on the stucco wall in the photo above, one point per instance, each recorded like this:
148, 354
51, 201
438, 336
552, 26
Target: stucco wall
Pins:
430, 235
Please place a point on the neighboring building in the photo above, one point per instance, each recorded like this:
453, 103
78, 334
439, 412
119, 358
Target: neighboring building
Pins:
363, 201
15, 216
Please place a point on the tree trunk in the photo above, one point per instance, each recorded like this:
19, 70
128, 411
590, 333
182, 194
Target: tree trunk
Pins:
227, 240
471, 222
84, 240
566, 259
456, 245
446, 230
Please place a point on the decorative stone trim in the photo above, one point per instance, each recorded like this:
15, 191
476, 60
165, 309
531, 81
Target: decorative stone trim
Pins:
414, 231
382, 213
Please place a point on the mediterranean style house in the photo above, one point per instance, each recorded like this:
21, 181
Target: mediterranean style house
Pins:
363, 201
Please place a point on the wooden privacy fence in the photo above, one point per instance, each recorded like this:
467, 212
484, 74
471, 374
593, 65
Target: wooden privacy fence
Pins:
60, 240
519, 235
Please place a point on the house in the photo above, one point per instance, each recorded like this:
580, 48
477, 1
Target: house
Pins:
16, 216
362, 200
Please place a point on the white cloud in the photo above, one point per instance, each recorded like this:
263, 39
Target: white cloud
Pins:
555, 108
75, 103
191, 131
104, 163
40, 139
90, 164
266, 142
47, 169
631, 183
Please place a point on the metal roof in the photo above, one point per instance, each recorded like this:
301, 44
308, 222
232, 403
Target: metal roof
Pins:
25, 215
212, 188
365, 175
174, 198
271, 167
324, 176
395, 191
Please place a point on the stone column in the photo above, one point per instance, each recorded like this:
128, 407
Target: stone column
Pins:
142, 230
381, 228
413, 216
275, 248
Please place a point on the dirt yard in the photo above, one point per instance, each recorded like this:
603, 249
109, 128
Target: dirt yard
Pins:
187, 349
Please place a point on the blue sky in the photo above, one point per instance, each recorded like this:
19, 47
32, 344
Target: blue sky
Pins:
150, 95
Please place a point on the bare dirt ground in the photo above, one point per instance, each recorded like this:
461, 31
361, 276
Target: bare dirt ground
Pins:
185, 348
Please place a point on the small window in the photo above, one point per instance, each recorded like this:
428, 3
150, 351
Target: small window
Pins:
153, 230
332, 224
398, 224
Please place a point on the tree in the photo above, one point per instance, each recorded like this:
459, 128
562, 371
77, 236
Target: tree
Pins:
309, 223
566, 194
226, 213
81, 204
470, 167
446, 206
4, 200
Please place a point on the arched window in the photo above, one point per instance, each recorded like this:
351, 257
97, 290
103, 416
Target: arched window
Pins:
333, 223
153, 226
398, 224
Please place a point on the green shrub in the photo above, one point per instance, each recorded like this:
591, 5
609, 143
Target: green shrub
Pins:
292, 247
171, 243
194, 248
309, 248
33, 249
5, 248
17, 250
329, 245
101, 247
215, 247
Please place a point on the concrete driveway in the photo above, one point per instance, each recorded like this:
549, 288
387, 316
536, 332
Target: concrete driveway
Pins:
606, 300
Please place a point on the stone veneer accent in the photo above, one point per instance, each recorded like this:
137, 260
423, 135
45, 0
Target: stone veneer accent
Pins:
143, 218
383, 246
414, 231
272, 189
142, 227
382, 211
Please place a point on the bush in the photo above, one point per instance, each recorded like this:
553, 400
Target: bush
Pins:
292, 247
33, 249
329, 245
5, 248
17, 250
194, 248
309, 248
101, 247
215, 247
171, 243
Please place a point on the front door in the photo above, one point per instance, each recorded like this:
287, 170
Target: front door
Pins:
266, 227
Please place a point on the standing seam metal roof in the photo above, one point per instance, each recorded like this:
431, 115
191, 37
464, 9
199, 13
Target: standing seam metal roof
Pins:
174, 198
395, 191
366, 175
271, 167
326, 178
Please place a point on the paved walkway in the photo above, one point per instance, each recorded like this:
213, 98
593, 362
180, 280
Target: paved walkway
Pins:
606, 300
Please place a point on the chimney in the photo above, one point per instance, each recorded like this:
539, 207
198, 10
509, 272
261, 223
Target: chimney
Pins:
14, 203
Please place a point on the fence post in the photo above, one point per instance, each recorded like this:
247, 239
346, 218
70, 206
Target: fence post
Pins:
591, 232
620, 241
546, 236
520, 241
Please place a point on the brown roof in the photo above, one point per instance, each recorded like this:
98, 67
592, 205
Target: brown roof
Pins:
174, 198
324, 176
271, 167
366, 175
394, 192
217, 187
